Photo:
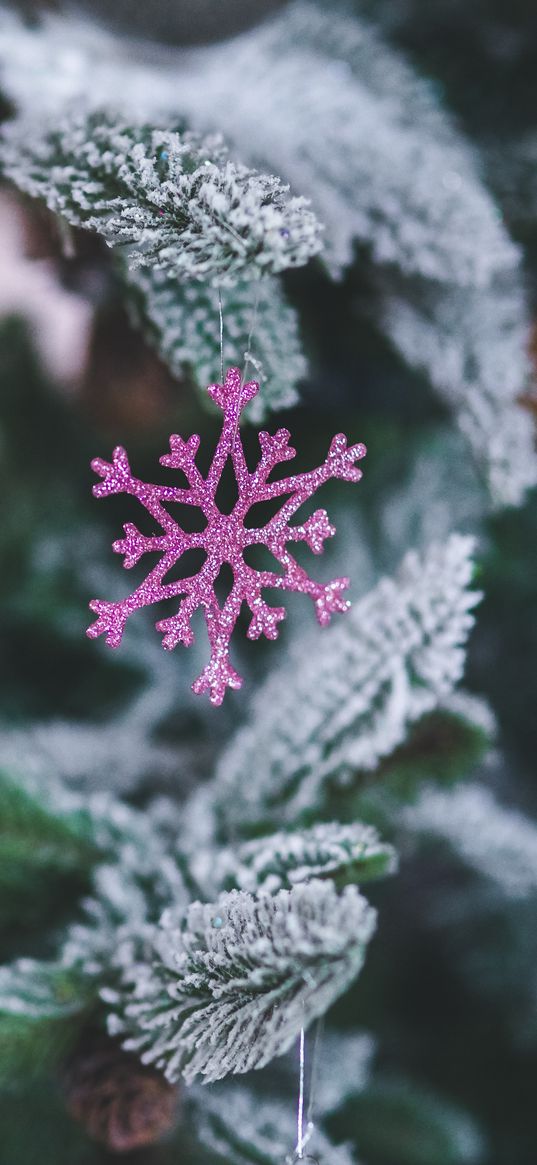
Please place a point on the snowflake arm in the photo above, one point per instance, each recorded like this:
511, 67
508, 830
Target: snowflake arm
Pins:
225, 538
339, 463
231, 397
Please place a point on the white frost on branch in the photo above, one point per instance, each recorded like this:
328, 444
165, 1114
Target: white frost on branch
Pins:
174, 200
343, 853
347, 121
340, 705
339, 114
474, 348
473, 709
124, 752
497, 842
118, 755
344, 1068
99, 823
318, 98
238, 1126
438, 468
181, 321
37, 991
233, 982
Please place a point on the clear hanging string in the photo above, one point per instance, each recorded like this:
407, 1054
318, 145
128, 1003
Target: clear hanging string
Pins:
305, 1125
221, 314
248, 357
299, 1149
313, 1076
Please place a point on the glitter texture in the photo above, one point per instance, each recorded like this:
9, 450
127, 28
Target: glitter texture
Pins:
225, 538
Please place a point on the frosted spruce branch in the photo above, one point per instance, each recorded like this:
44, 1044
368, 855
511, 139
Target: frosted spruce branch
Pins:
341, 853
233, 982
175, 200
390, 171
498, 842
121, 753
120, 915
181, 321
46, 823
237, 1126
39, 1002
36, 990
345, 119
339, 709
360, 129
474, 348
49, 829
329, 106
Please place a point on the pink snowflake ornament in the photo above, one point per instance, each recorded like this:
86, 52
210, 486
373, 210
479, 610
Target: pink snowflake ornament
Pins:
225, 538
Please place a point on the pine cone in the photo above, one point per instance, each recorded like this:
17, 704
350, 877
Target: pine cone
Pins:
119, 1102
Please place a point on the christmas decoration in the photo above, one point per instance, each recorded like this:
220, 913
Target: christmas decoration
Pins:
121, 1103
225, 539
190, 899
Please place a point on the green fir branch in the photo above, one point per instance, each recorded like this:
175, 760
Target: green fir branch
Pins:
181, 321
232, 983
41, 1008
173, 199
337, 710
340, 853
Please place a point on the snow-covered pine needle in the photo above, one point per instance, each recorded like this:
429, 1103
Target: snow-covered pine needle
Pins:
339, 708
233, 983
175, 200
341, 853
178, 318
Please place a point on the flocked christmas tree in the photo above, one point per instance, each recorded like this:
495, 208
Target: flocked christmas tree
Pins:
319, 876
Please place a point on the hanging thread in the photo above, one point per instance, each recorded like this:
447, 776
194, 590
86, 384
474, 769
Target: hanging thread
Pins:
248, 358
304, 1134
221, 313
313, 1077
300, 1113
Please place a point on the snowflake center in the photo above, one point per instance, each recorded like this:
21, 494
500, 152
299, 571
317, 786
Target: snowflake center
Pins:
224, 538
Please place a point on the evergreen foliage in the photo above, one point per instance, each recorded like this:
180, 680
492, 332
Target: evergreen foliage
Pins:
498, 842
474, 348
389, 173
340, 852
38, 1003
238, 1127
36, 837
181, 321
312, 72
186, 894
174, 200
398, 654
196, 1011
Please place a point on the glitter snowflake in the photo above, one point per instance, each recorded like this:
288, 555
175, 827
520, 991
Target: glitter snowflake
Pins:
225, 537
